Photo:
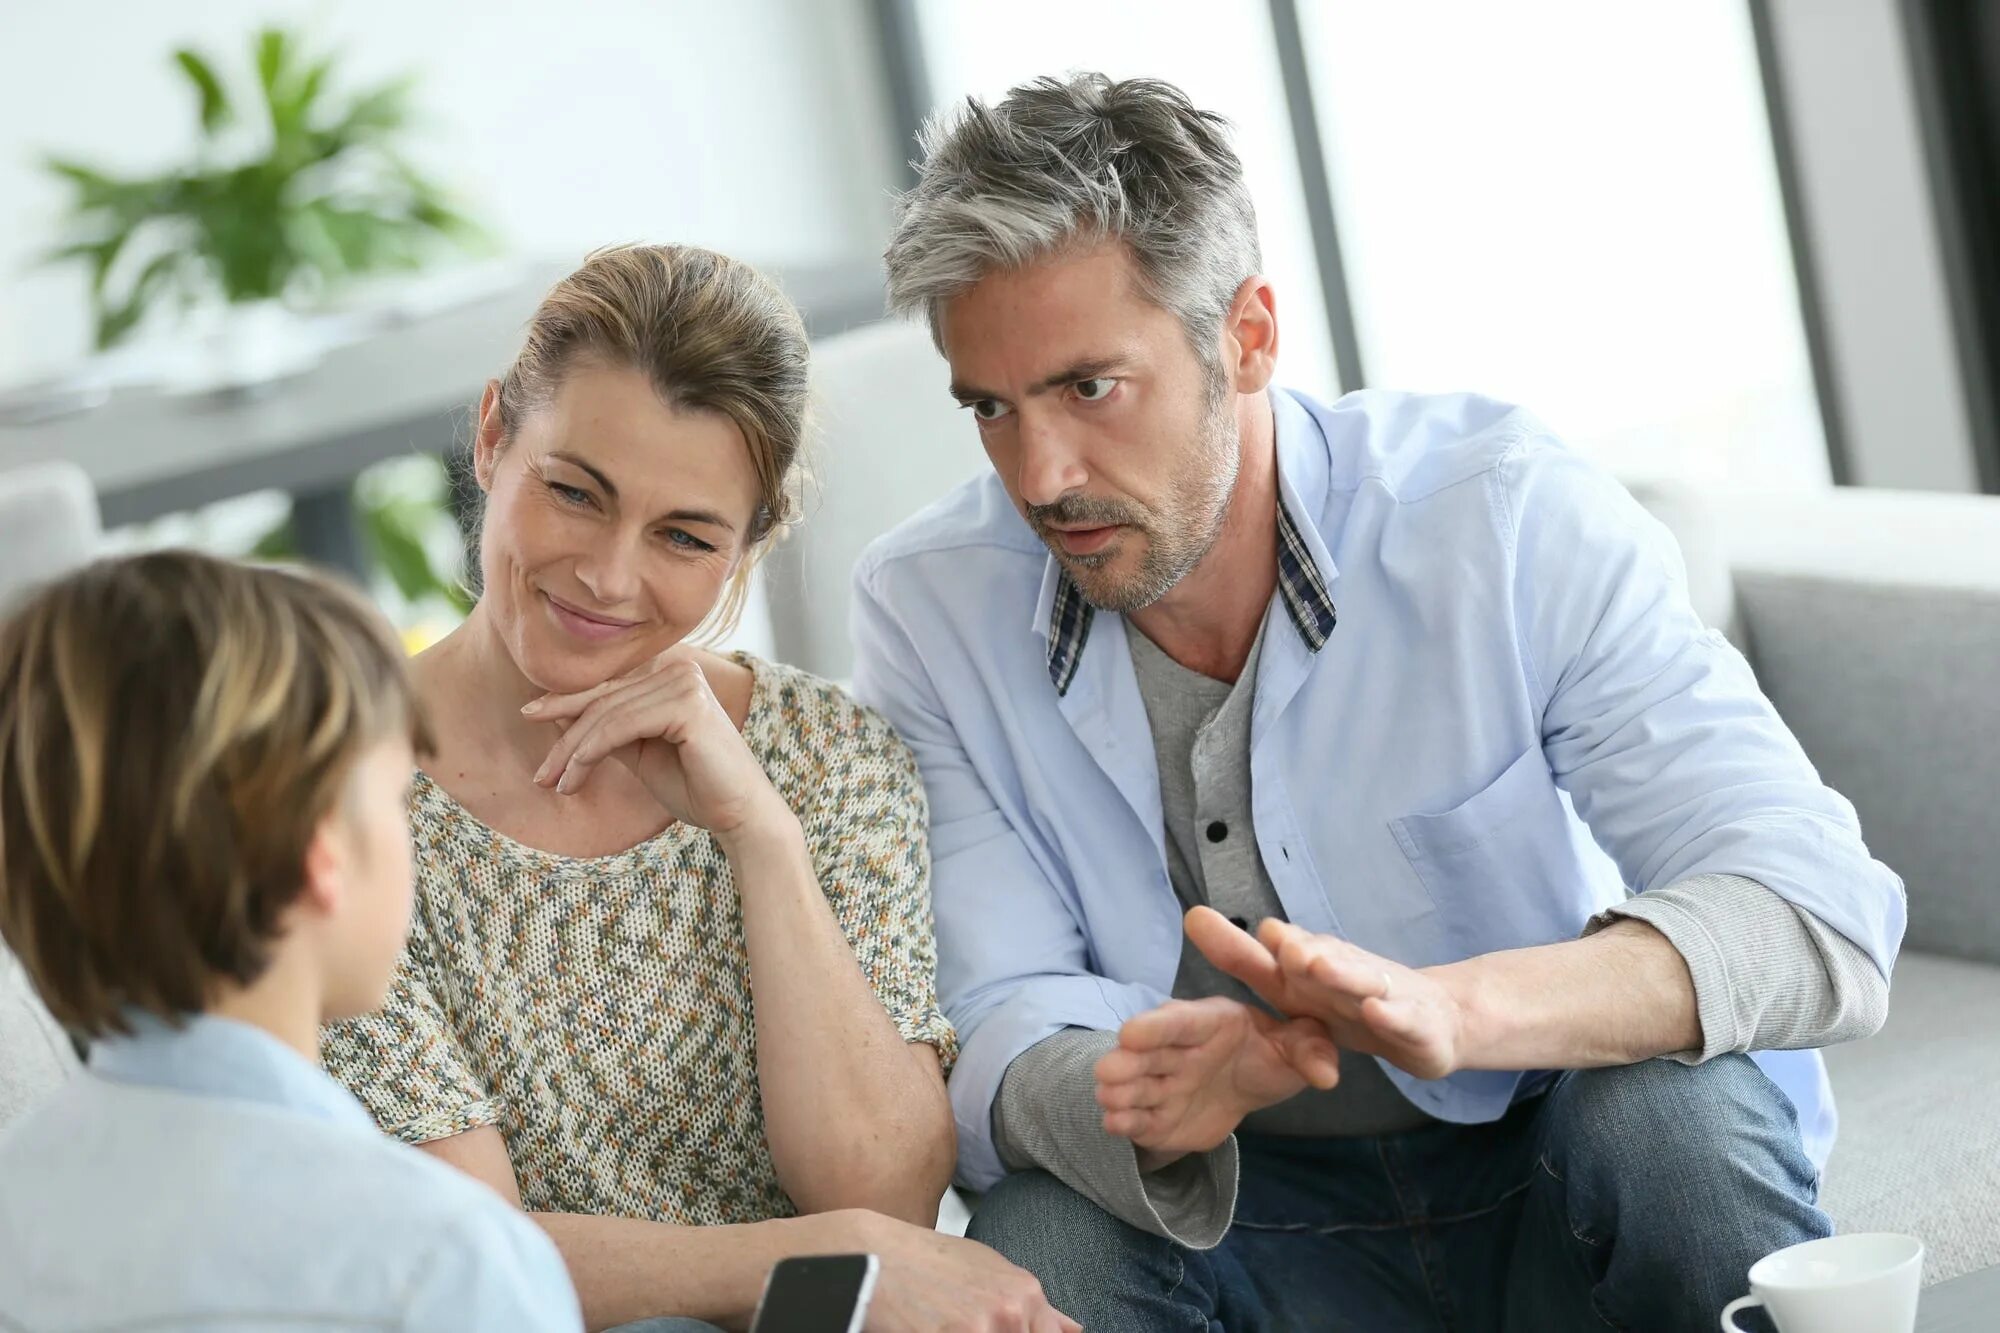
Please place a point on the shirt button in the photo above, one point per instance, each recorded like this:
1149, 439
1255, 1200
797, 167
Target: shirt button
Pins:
1217, 831
1241, 923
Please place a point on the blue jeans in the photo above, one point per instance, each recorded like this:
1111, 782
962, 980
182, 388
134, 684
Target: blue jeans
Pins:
1632, 1198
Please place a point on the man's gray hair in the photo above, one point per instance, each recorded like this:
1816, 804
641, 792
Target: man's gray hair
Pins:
1069, 162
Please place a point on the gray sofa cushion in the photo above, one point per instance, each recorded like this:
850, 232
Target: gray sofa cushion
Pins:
35, 1055
1894, 690
1919, 1147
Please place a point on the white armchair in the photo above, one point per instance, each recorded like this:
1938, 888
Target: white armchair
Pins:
48, 524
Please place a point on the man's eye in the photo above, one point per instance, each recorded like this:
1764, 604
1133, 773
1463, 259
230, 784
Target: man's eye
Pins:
1095, 391
988, 409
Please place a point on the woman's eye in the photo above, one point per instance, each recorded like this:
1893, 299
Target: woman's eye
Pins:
1095, 391
575, 495
988, 409
687, 541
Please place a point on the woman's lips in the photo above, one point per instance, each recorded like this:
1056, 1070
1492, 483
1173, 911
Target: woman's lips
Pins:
1085, 541
582, 624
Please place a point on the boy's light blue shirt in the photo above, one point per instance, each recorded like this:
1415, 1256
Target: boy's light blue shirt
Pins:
210, 1177
1514, 720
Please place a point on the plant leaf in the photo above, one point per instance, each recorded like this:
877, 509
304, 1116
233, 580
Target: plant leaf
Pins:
101, 252
117, 320
215, 109
374, 115
388, 531
280, 543
272, 48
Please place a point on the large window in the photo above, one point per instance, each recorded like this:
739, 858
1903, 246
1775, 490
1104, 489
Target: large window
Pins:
1573, 205
1566, 203
1220, 51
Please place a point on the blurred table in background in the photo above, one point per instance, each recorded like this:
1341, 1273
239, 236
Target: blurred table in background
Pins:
403, 389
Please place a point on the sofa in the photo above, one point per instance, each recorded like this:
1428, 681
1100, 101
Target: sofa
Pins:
1873, 621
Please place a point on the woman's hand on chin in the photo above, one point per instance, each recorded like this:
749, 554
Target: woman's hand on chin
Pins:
663, 722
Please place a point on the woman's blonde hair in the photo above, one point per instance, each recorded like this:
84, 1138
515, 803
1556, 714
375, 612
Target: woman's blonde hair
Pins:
712, 335
173, 730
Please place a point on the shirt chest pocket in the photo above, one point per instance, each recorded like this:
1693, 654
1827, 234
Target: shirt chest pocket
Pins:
1502, 866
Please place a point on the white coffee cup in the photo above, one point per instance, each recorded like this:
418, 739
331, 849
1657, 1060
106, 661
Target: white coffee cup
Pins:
1864, 1283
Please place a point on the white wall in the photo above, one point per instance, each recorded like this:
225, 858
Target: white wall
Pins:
755, 126
1854, 119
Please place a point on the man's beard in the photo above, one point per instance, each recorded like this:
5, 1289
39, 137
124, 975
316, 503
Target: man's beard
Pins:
1176, 537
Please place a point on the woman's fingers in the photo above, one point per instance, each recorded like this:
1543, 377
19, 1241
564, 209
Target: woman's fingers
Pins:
625, 721
557, 707
637, 711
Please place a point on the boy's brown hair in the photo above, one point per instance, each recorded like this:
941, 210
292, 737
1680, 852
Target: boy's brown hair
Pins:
173, 728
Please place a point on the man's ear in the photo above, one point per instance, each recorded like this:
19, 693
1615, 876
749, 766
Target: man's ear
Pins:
1250, 336
487, 436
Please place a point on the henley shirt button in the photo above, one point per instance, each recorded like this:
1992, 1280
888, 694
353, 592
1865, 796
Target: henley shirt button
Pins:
1240, 923
1217, 831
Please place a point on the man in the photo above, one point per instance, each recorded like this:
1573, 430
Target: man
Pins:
1400, 678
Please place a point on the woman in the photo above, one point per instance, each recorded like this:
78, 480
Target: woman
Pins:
623, 838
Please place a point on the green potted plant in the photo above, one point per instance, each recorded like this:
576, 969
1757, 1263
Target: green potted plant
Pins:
279, 205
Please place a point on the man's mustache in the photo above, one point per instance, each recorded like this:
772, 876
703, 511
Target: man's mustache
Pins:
1076, 511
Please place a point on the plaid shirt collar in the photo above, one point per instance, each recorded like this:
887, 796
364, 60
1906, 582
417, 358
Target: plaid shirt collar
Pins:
1299, 580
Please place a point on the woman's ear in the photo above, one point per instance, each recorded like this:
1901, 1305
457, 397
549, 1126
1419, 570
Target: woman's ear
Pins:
488, 435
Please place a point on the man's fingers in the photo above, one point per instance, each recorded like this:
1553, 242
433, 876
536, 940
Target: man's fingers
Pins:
1141, 1094
1134, 1124
1308, 1049
1179, 1023
1234, 951
1122, 1065
1398, 1022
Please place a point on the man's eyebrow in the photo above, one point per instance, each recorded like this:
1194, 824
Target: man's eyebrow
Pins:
1081, 370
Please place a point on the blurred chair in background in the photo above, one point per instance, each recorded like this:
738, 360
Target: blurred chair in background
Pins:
887, 440
48, 526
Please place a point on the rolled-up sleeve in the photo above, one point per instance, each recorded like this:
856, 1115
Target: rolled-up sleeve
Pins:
1013, 964
1656, 726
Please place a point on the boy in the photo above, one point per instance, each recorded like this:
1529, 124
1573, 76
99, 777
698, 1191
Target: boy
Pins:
204, 856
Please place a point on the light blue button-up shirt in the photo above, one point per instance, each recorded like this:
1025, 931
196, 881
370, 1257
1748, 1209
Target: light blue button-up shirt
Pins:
211, 1178
1514, 721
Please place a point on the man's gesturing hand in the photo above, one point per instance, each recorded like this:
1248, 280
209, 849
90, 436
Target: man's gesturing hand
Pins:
1185, 1074
1367, 1003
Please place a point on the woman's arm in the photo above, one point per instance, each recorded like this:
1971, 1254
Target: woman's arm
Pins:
626, 1270
856, 1117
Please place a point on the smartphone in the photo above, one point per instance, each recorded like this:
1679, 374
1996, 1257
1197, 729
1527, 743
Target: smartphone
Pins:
822, 1293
